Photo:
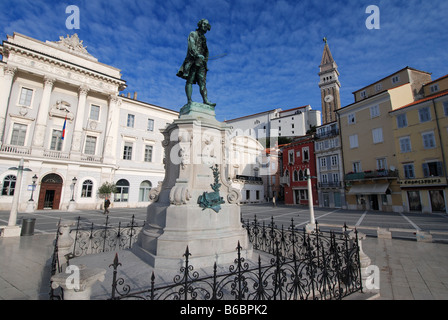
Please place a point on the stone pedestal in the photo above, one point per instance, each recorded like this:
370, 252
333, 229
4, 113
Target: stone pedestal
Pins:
195, 205
71, 206
10, 231
310, 227
77, 282
30, 206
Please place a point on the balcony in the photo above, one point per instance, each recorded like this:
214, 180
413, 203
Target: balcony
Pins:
248, 179
56, 155
284, 180
15, 149
327, 134
51, 154
374, 174
323, 185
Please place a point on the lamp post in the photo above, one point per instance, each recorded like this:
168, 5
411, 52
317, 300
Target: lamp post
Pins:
34, 186
13, 230
312, 225
74, 180
30, 204
72, 204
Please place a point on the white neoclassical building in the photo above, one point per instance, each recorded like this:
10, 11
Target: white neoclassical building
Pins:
62, 112
246, 168
276, 123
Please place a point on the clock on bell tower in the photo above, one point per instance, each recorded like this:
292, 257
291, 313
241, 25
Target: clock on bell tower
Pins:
329, 86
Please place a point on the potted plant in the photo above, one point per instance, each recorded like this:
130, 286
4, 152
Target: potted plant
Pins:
106, 189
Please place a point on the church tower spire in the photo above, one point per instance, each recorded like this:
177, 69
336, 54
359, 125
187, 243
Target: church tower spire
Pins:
329, 85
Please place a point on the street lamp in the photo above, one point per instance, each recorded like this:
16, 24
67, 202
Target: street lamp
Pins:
74, 180
312, 225
34, 186
12, 229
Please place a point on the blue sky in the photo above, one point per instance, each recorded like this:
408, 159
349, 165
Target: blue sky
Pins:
274, 47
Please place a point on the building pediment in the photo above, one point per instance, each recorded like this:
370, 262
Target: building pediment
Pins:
72, 44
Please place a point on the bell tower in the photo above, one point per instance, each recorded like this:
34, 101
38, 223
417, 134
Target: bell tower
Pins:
329, 85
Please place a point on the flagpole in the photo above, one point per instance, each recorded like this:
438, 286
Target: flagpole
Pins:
63, 128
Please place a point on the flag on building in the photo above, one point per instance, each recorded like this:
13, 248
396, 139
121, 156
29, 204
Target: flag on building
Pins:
63, 128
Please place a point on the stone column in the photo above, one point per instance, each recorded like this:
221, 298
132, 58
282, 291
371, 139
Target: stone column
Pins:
113, 119
80, 112
42, 117
5, 89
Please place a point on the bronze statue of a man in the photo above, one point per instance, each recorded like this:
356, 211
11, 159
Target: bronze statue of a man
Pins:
194, 69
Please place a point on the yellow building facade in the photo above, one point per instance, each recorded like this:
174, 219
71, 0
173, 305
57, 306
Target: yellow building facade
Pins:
371, 166
420, 131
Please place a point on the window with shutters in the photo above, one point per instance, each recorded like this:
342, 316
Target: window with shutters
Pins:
424, 114
405, 144
351, 118
323, 163
90, 147
18, 134
429, 141
356, 165
374, 111
127, 152
148, 153
94, 113
26, 96
377, 135
433, 169
56, 140
408, 169
150, 126
402, 120
353, 141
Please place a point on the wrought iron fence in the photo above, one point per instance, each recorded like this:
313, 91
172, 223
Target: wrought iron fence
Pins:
91, 240
105, 238
301, 266
55, 267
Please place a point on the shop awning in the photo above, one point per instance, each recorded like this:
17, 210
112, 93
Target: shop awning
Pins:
377, 188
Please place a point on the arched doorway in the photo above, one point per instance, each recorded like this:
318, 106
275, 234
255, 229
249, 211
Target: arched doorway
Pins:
50, 192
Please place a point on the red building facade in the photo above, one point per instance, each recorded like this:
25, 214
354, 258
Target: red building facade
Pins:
298, 156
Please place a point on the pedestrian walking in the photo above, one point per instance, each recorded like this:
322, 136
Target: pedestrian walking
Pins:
106, 206
273, 202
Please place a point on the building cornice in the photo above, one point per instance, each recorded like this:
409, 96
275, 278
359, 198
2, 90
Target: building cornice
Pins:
27, 53
378, 98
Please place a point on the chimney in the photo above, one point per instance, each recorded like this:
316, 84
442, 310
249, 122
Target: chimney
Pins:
135, 95
129, 94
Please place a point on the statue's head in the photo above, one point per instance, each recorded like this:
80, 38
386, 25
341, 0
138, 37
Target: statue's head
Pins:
204, 25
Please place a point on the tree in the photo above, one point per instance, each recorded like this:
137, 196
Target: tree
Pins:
106, 189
